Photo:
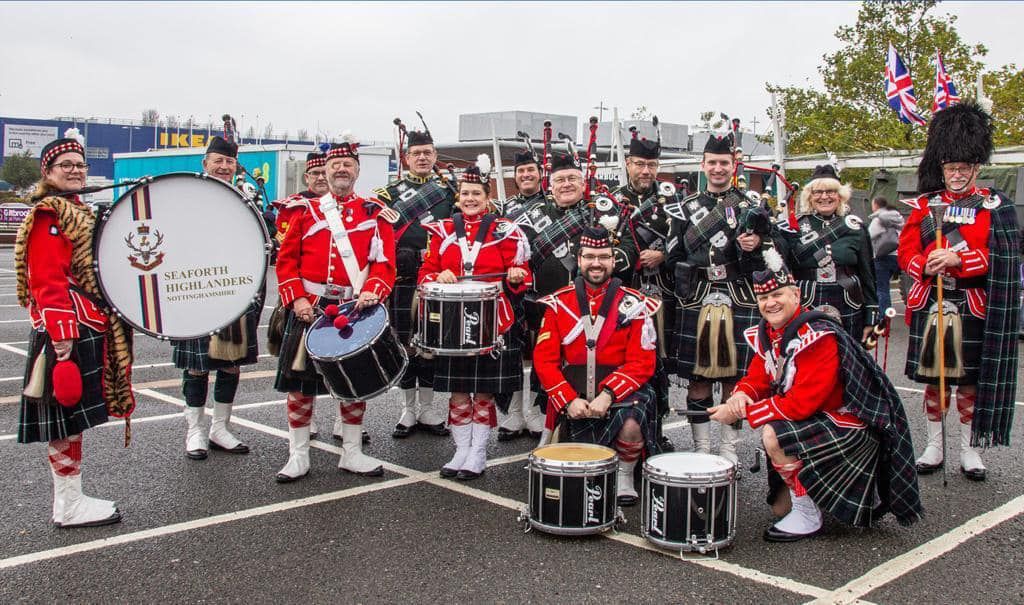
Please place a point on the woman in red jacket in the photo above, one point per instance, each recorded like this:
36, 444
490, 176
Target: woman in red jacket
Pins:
477, 242
79, 358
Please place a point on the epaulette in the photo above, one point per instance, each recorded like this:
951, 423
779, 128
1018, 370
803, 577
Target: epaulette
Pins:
378, 209
917, 203
635, 304
383, 194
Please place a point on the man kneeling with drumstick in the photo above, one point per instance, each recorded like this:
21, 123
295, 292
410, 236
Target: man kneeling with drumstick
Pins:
594, 356
838, 441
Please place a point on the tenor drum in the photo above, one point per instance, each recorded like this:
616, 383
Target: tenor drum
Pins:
572, 489
458, 319
181, 255
689, 501
360, 361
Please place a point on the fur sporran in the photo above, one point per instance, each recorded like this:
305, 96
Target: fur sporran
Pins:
231, 343
950, 350
275, 330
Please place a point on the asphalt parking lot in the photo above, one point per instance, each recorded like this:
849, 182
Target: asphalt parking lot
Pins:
221, 530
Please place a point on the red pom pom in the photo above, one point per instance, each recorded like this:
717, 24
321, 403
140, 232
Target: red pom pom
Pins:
331, 310
67, 383
341, 322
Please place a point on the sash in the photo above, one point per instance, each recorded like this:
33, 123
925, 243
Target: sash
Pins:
951, 222
810, 243
705, 223
415, 203
559, 233
356, 276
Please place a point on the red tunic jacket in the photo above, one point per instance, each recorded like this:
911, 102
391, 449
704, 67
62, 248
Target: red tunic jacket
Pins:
287, 209
504, 247
973, 257
54, 305
811, 385
627, 341
309, 252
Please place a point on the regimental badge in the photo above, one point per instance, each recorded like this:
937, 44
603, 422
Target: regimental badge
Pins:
603, 204
535, 213
804, 226
693, 205
401, 187
503, 227
561, 251
627, 303
720, 240
144, 255
991, 202
730, 217
853, 222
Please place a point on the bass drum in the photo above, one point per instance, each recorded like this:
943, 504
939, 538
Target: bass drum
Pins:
360, 361
181, 255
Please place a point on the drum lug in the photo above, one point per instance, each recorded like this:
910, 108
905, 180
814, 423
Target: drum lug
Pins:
524, 518
620, 519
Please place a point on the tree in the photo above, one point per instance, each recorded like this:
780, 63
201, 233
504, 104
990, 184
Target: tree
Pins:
21, 171
1006, 89
852, 114
150, 117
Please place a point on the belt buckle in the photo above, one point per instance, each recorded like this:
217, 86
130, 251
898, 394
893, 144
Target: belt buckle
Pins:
825, 274
333, 291
717, 272
949, 283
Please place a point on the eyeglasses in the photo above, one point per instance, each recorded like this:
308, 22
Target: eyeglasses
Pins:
589, 258
957, 168
566, 179
823, 192
420, 154
69, 166
651, 165
316, 173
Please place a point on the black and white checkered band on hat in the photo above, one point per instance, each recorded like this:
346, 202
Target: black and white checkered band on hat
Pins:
315, 160
343, 150
57, 147
776, 274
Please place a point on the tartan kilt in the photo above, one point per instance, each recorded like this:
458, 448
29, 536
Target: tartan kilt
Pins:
686, 336
482, 373
840, 471
604, 431
400, 309
307, 382
194, 354
44, 419
973, 333
834, 296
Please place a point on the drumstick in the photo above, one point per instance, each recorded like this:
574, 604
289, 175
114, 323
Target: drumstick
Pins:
481, 276
693, 413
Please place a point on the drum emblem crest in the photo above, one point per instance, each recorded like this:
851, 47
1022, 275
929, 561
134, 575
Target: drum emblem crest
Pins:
144, 254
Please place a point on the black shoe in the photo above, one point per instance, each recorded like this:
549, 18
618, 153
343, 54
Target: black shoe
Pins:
665, 445
282, 478
377, 472
241, 448
434, 429
448, 473
112, 519
401, 431
197, 454
774, 534
977, 474
464, 475
535, 434
507, 435
366, 437
927, 469
624, 500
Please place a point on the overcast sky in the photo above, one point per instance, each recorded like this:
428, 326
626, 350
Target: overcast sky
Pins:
357, 66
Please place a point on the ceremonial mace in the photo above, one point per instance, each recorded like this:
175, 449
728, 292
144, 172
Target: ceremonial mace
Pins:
936, 208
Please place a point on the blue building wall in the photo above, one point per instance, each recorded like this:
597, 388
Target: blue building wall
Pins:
103, 140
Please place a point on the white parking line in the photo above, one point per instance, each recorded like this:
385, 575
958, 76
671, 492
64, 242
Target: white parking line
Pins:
9, 348
933, 549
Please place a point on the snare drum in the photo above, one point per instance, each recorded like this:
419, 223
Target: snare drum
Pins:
689, 501
181, 255
458, 319
360, 361
572, 489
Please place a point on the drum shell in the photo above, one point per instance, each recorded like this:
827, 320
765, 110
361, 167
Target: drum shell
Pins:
572, 498
688, 511
456, 322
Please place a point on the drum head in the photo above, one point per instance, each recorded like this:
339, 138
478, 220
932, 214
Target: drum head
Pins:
460, 290
324, 342
181, 256
574, 452
689, 465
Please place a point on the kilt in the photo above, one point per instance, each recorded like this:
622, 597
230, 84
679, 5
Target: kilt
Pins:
194, 354
307, 382
686, 336
973, 333
400, 308
604, 431
482, 373
44, 419
840, 471
835, 296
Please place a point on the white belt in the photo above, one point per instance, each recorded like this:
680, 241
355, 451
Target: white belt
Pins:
331, 291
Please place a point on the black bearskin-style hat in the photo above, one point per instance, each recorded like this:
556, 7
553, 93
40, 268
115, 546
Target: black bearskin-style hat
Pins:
564, 161
776, 275
643, 148
595, 237
479, 173
525, 157
416, 137
961, 133
315, 160
71, 142
719, 144
222, 146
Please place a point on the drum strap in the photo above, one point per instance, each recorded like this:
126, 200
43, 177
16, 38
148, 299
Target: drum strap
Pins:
356, 276
469, 253
592, 327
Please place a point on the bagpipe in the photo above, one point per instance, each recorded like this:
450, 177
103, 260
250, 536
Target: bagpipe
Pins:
249, 189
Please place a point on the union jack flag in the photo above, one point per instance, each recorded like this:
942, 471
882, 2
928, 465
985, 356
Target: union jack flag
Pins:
899, 89
945, 91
